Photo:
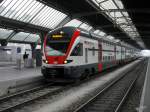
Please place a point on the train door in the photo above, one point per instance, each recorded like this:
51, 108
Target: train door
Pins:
121, 52
115, 52
100, 53
99, 57
86, 55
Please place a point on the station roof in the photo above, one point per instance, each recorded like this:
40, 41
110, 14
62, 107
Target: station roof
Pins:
25, 20
140, 14
20, 37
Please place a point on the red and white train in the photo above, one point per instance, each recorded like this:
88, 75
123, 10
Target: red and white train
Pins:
70, 52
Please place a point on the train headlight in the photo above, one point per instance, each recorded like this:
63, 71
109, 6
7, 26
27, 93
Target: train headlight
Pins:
45, 61
65, 62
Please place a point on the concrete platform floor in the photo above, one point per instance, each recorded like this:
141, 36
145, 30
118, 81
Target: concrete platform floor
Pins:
12, 79
7, 63
145, 99
11, 73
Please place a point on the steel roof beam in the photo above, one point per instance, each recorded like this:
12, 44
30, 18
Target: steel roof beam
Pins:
21, 26
16, 41
11, 35
129, 23
102, 1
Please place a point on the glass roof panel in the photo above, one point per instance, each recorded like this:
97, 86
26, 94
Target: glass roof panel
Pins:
20, 36
89, 28
125, 14
74, 23
4, 33
96, 2
121, 20
110, 37
119, 4
116, 14
31, 11
96, 31
112, 10
84, 26
52, 16
102, 33
108, 5
32, 38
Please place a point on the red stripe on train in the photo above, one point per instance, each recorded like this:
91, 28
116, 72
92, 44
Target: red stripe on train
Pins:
100, 67
61, 59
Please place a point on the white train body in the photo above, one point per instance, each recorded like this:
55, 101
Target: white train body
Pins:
72, 53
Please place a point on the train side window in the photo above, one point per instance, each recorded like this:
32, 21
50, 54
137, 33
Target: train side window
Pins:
93, 51
78, 50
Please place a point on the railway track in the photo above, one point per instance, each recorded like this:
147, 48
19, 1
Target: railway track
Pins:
111, 98
7, 104
19, 100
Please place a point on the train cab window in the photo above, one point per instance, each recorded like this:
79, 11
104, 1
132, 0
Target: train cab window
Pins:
78, 50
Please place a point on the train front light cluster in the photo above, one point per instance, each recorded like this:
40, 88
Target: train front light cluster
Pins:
65, 62
45, 61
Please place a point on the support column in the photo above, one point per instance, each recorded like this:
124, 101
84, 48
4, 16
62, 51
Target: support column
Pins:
33, 46
42, 36
32, 61
36, 55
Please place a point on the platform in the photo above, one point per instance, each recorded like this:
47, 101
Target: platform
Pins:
145, 99
5, 64
12, 79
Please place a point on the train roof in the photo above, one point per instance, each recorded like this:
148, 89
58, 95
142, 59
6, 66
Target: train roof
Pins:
98, 37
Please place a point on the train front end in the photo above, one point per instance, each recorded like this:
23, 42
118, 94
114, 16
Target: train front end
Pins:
56, 49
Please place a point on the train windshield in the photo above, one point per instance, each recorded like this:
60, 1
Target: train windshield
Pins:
58, 42
57, 48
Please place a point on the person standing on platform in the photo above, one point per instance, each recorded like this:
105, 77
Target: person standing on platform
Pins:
25, 58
